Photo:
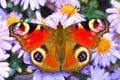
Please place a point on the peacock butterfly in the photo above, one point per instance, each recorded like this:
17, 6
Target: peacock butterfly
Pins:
60, 49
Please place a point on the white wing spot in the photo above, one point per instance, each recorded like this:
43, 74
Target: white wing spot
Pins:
91, 38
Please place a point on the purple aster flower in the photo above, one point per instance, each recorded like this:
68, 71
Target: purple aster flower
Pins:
66, 14
107, 51
18, 49
86, 69
3, 14
4, 69
5, 40
37, 74
3, 3
3, 56
114, 17
4, 66
13, 17
34, 4
73, 78
97, 73
58, 3
116, 74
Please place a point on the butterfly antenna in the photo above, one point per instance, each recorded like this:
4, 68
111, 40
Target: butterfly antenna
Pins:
48, 16
69, 14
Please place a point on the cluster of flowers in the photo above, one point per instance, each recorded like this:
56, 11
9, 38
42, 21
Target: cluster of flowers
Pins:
103, 56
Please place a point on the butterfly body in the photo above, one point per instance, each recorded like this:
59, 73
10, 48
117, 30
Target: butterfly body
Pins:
60, 49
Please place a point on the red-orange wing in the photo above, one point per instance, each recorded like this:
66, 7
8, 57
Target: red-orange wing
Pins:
30, 35
87, 33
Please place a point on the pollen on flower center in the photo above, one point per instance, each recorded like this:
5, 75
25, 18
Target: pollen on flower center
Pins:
68, 9
104, 46
12, 19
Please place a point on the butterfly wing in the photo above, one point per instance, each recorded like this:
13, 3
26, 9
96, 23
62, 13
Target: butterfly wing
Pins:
87, 33
30, 35
76, 57
39, 41
80, 37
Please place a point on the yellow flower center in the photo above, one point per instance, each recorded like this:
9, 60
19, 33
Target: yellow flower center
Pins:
12, 19
68, 9
104, 46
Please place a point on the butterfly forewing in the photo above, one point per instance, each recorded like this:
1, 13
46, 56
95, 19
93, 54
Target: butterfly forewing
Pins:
87, 33
31, 35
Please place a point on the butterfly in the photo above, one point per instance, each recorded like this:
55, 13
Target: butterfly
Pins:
60, 49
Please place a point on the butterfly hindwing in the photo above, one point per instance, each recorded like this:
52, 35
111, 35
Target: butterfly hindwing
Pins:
76, 57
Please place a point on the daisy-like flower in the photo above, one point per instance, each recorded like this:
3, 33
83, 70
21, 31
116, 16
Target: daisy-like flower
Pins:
97, 73
3, 14
116, 74
18, 49
5, 40
114, 17
38, 75
34, 4
66, 14
73, 78
86, 69
13, 17
75, 3
4, 66
107, 51
3, 3
4, 69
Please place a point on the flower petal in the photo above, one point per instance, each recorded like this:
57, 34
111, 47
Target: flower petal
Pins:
5, 45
